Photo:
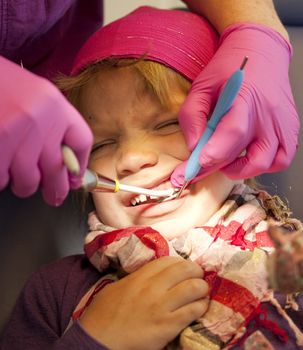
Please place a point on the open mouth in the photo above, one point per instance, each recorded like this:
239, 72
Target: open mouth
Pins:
140, 199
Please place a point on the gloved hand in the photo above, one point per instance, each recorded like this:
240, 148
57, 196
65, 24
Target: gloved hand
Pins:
35, 120
263, 120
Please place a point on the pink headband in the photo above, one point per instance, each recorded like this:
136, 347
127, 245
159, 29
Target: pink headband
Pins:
178, 39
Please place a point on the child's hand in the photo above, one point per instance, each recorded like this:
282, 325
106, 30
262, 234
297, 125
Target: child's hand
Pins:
150, 307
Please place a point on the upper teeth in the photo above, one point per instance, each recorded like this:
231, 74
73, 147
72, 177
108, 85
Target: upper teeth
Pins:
141, 199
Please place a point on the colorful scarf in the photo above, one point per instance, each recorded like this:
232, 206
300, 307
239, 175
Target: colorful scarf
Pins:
231, 247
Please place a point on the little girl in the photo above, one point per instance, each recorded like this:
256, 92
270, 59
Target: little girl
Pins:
186, 273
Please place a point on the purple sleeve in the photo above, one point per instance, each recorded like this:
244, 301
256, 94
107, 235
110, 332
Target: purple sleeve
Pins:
44, 308
77, 339
46, 35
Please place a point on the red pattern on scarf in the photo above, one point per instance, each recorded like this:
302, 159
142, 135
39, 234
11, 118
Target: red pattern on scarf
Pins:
235, 233
148, 236
231, 294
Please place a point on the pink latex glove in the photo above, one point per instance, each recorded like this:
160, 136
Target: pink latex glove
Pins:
35, 120
263, 119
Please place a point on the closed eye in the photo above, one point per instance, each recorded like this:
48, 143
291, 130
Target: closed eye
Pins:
103, 144
168, 127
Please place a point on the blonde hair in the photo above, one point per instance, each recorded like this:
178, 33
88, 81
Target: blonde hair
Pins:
157, 77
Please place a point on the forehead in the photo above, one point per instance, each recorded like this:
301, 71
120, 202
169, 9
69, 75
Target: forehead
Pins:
116, 95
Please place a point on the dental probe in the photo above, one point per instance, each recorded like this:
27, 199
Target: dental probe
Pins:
93, 182
224, 103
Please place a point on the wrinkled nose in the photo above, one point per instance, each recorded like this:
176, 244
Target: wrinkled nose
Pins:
133, 158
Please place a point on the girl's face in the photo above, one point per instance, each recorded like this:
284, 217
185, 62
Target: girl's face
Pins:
139, 141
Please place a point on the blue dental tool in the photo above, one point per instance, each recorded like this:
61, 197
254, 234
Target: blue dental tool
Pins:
224, 103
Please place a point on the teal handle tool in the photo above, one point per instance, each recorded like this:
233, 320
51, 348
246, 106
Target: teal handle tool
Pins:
224, 103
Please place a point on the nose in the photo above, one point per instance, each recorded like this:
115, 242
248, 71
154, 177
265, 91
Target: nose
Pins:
134, 157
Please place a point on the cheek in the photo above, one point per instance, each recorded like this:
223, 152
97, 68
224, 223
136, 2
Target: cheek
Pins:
103, 165
175, 146
105, 206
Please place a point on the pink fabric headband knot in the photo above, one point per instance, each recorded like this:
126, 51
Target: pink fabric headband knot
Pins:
178, 39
